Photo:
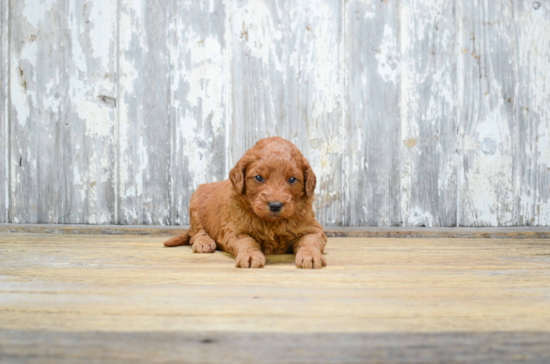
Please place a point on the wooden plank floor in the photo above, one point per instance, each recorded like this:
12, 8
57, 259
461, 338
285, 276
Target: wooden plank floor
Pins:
125, 298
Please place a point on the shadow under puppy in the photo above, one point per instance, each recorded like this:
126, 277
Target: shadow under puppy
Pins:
264, 208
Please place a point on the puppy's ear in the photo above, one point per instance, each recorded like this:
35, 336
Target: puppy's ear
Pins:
237, 178
237, 174
309, 179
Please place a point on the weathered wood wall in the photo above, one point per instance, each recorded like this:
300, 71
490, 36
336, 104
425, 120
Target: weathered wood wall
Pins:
4, 125
412, 112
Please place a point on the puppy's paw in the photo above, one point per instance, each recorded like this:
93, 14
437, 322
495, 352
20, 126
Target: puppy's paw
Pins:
310, 259
250, 259
204, 244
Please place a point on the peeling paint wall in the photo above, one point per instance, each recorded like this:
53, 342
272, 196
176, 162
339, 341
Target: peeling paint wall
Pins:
411, 112
4, 125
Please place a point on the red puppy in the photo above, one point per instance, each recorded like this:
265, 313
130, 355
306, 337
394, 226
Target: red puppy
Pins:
264, 208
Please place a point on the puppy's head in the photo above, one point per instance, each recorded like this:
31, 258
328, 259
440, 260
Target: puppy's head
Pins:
272, 177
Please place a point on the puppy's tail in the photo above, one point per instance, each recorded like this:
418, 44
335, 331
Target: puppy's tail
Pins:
181, 239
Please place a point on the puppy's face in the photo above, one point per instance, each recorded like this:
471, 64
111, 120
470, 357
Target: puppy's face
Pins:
272, 178
273, 186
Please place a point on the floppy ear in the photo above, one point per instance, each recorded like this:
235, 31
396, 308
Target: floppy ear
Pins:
237, 174
237, 178
309, 179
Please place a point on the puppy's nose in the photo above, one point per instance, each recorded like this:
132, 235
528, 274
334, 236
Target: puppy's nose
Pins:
275, 206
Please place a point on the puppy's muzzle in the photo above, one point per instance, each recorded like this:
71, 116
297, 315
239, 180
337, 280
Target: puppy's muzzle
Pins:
275, 206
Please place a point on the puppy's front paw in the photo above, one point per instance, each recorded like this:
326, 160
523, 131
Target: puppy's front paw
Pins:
250, 259
310, 259
204, 244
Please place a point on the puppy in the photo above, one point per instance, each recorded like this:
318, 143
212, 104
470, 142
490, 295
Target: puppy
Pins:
264, 208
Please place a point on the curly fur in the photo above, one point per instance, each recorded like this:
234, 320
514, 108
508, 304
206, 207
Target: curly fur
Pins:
234, 215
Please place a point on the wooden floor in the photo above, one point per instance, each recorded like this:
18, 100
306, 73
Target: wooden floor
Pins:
126, 298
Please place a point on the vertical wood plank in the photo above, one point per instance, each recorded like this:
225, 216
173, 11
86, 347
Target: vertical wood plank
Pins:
533, 155
199, 102
4, 126
315, 97
62, 89
372, 179
288, 80
89, 132
259, 72
37, 110
428, 159
488, 121
145, 134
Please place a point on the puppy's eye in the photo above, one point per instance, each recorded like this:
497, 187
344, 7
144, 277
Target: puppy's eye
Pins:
259, 178
292, 180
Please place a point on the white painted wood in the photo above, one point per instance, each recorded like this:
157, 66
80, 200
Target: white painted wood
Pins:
533, 134
411, 112
488, 119
4, 125
288, 80
199, 88
36, 113
62, 79
428, 143
89, 140
145, 120
373, 125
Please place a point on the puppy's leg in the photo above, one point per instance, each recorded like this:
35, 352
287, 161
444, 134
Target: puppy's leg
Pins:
202, 242
309, 251
247, 252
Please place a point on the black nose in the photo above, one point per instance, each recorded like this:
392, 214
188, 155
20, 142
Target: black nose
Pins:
275, 206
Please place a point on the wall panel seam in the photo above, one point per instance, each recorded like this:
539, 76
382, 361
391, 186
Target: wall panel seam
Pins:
228, 35
116, 204
515, 104
393, 148
7, 115
344, 122
64, 208
458, 106
172, 112
403, 99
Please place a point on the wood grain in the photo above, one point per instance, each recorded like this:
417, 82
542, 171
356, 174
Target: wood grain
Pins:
145, 122
131, 286
37, 116
95, 277
89, 143
373, 127
330, 231
261, 347
533, 109
488, 121
412, 113
62, 111
428, 144
4, 120
200, 78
